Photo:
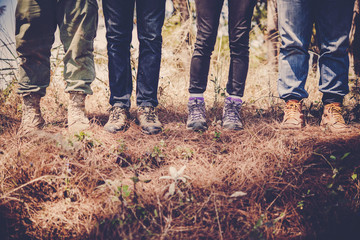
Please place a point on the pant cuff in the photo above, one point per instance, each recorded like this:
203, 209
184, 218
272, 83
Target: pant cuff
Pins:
146, 104
292, 98
331, 98
121, 105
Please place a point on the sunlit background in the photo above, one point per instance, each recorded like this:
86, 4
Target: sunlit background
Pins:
7, 41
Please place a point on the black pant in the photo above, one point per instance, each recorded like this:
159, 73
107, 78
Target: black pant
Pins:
208, 14
119, 24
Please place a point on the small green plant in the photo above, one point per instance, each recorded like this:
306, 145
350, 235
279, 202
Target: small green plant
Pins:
355, 174
217, 136
338, 168
257, 232
151, 158
124, 191
81, 136
300, 204
121, 192
176, 177
332, 157
304, 196
157, 151
122, 147
218, 90
155, 156
186, 153
122, 157
87, 140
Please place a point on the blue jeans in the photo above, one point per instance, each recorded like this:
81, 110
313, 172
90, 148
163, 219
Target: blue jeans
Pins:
119, 16
332, 20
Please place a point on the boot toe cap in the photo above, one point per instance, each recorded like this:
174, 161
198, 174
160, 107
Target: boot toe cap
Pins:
197, 126
151, 130
233, 126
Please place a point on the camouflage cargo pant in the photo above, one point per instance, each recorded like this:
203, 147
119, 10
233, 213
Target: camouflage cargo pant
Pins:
36, 23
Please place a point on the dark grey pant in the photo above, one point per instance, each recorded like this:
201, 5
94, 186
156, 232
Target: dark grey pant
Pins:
208, 14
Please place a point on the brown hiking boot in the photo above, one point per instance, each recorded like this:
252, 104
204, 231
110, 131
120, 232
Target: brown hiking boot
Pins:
118, 119
332, 118
77, 121
293, 118
148, 120
31, 115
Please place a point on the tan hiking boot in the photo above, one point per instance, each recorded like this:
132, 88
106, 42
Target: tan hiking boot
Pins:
148, 120
77, 121
31, 115
332, 118
293, 117
118, 120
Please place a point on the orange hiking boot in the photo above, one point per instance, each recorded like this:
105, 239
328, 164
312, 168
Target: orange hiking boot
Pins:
293, 118
332, 118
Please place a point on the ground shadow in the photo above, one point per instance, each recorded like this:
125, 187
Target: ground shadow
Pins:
330, 192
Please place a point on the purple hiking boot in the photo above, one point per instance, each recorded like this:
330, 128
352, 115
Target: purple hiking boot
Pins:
231, 114
197, 118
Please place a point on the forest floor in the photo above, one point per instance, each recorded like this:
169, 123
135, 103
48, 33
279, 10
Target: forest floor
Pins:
289, 184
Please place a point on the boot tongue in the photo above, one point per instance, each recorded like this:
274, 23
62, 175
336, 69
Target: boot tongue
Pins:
196, 99
336, 104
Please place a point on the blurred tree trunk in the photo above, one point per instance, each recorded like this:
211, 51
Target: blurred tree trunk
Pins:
355, 37
181, 6
315, 50
2, 10
272, 33
355, 54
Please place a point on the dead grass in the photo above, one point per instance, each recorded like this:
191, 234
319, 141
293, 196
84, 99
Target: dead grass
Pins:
62, 186
54, 185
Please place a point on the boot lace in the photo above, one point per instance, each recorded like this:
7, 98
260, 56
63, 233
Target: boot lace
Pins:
336, 110
117, 113
197, 111
291, 109
232, 113
150, 114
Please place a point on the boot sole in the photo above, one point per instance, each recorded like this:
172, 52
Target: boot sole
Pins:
291, 127
233, 129
121, 129
198, 129
327, 127
153, 132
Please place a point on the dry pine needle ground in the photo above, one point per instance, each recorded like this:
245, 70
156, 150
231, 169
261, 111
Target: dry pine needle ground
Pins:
106, 186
